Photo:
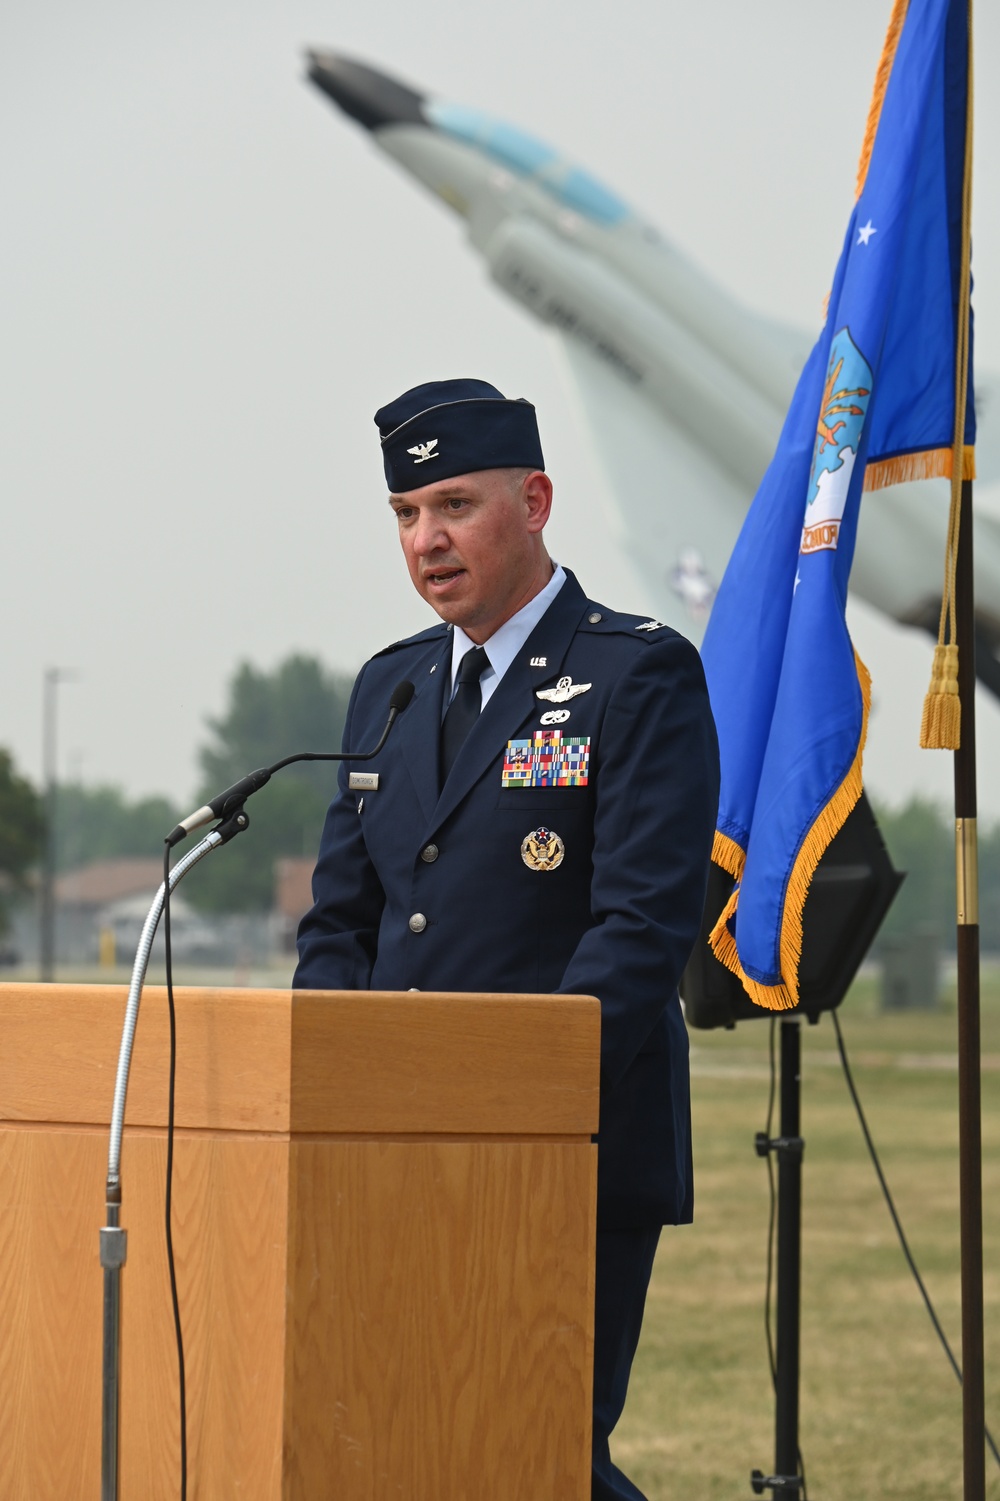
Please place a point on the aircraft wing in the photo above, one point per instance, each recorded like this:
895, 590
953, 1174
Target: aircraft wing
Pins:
682, 390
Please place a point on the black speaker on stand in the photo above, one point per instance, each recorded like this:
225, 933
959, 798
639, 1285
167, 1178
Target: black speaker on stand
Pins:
851, 892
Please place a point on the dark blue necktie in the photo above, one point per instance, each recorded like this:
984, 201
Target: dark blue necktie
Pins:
465, 707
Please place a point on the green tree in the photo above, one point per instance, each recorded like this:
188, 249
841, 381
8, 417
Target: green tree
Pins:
920, 840
989, 889
22, 835
300, 706
99, 823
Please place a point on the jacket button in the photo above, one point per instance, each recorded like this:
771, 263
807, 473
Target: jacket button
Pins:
429, 853
418, 922
415, 987
595, 618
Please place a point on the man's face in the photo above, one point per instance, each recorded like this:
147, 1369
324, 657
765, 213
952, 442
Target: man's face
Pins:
473, 545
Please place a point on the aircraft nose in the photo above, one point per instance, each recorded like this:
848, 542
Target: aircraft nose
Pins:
368, 96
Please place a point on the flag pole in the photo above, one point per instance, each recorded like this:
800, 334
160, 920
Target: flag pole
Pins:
961, 608
969, 1092
949, 722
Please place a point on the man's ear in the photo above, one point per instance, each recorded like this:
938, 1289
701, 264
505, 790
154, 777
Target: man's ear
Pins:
537, 492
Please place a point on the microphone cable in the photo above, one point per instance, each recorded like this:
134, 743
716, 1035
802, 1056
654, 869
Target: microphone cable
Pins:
224, 805
897, 1223
168, 1196
893, 1213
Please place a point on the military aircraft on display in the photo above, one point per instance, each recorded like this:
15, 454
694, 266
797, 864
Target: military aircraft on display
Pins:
683, 390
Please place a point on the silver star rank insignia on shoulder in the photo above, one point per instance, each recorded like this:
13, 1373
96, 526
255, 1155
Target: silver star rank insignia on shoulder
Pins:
564, 690
542, 849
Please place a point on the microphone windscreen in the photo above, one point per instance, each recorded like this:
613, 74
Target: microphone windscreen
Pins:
401, 695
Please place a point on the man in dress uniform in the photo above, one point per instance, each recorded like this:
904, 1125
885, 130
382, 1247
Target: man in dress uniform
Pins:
543, 819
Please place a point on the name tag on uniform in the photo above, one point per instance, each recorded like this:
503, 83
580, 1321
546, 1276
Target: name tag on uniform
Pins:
363, 781
547, 760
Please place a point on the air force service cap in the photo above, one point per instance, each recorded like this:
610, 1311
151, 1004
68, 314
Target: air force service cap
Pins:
449, 427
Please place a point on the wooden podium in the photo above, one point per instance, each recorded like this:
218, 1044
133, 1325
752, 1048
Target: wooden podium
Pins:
384, 1212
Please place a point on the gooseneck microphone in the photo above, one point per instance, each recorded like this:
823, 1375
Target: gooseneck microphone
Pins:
227, 803
228, 807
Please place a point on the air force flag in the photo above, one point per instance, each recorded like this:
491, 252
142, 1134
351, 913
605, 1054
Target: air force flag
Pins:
875, 405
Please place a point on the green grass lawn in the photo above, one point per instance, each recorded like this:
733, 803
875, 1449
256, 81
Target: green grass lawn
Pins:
880, 1411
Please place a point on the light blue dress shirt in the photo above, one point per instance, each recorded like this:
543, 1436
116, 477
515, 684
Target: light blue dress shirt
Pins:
505, 643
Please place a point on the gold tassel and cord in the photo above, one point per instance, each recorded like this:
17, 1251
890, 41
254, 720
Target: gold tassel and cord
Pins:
941, 726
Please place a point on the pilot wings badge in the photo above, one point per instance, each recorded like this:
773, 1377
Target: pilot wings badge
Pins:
564, 690
424, 451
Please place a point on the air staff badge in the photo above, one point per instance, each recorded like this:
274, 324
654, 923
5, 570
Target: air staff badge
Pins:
542, 849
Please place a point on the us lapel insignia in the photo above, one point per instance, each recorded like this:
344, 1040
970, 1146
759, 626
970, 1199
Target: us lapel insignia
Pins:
564, 690
542, 849
546, 760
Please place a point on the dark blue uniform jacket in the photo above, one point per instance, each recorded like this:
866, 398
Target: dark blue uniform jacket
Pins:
616, 919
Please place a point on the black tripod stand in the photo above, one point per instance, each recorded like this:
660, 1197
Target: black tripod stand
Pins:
788, 1148
851, 892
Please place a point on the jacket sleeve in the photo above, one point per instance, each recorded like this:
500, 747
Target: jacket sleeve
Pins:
657, 789
338, 936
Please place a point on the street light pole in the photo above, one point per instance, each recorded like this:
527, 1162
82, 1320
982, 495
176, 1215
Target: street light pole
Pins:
53, 676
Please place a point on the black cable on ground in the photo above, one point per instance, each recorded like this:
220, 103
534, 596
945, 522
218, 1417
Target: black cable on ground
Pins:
895, 1220
182, 1392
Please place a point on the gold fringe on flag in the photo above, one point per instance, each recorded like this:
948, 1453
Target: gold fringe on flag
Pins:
885, 62
728, 854
941, 724
933, 463
828, 824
